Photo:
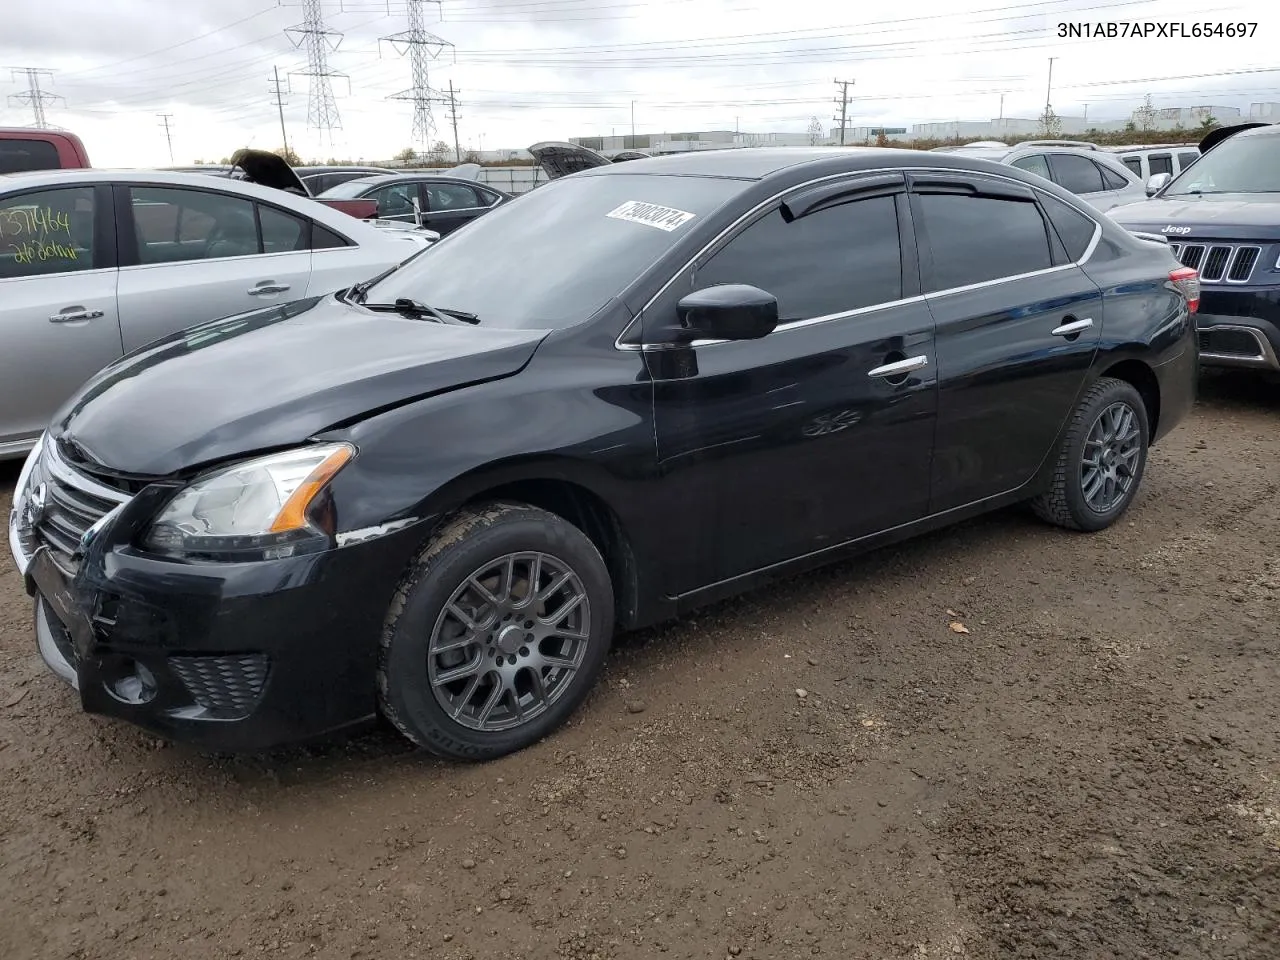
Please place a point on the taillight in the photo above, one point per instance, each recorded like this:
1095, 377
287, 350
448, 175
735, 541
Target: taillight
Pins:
1188, 283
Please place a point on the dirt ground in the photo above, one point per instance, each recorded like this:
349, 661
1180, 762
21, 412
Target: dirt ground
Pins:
1091, 771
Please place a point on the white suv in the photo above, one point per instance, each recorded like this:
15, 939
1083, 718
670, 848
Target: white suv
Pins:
1093, 175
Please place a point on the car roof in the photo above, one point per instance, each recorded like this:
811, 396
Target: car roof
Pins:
757, 163
412, 175
305, 206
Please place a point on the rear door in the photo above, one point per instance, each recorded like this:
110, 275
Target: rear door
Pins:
190, 255
1017, 329
58, 319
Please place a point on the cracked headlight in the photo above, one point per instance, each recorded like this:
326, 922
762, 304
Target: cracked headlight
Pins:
267, 508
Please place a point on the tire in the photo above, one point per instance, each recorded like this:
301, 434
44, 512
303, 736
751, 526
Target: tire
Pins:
1066, 503
494, 547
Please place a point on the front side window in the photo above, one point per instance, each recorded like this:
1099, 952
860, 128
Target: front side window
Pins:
173, 225
48, 232
395, 200
1187, 159
837, 259
977, 239
1035, 163
1160, 163
1134, 164
1079, 175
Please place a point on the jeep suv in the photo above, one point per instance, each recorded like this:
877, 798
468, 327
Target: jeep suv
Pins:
1222, 217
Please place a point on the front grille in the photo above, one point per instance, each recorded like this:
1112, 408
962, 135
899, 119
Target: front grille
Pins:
226, 686
64, 504
1218, 262
1236, 343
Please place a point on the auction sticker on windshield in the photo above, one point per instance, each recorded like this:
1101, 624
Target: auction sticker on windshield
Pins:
651, 215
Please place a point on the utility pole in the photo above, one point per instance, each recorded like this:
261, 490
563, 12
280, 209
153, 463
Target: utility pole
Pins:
166, 117
1048, 90
633, 125
34, 97
843, 101
278, 90
422, 47
1002, 109
453, 118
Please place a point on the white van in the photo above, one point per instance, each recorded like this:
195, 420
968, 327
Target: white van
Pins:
1147, 161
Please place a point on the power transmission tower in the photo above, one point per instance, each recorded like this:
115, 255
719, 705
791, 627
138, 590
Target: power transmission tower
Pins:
843, 101
322, 110
34, 97
453, 118
166, 117
422, 48
277, 90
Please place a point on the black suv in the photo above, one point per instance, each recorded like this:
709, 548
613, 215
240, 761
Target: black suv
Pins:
1222, 217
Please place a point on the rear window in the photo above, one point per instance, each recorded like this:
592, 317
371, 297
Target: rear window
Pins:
19, 155
1134, 164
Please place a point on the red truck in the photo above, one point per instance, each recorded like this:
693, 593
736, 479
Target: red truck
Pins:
28, 148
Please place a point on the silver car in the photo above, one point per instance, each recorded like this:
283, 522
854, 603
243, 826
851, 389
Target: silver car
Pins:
1095, 176
96, 263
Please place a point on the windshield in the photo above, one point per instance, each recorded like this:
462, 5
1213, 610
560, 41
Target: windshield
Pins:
1242, 164
556, 255
349, 190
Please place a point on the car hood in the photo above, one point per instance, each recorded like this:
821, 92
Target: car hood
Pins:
1215, 137
271, 378
559, 159
1226, 216
268, 169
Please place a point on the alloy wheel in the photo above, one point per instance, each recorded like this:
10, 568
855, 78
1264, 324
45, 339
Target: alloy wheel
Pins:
1111, 458
509, 641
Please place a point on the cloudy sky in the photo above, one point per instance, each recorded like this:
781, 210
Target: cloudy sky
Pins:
533, 70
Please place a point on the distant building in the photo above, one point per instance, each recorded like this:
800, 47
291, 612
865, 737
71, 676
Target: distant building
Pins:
1264, 111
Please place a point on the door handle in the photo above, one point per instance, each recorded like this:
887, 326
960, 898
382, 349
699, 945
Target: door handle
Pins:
262, 289
1073, 328
71, 314
898, 367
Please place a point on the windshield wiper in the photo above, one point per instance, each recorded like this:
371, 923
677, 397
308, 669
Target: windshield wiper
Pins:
416, 308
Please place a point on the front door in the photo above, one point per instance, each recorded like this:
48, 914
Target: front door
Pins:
1018, 324
821, 432
58, 319
188, 256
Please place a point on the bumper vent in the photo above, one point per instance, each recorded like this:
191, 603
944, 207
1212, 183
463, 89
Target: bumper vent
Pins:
228, 687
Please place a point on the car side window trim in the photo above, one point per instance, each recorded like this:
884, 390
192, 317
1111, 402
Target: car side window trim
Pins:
622, 341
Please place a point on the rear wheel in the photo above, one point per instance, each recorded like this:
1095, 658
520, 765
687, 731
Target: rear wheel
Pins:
497, 634
1101, 460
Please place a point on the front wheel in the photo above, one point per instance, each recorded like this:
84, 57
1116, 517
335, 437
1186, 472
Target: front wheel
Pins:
498, 633
1101, 460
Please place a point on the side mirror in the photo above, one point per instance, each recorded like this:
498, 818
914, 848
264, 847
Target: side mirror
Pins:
1157, 183
729, 311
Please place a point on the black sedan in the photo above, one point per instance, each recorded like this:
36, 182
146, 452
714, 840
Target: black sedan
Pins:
442, 204
646, 386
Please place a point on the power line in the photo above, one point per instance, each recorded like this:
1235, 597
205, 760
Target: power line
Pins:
322, 110
422, 47
34, 97
166, 117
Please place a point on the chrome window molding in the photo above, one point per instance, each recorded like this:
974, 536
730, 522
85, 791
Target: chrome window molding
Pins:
810, 321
